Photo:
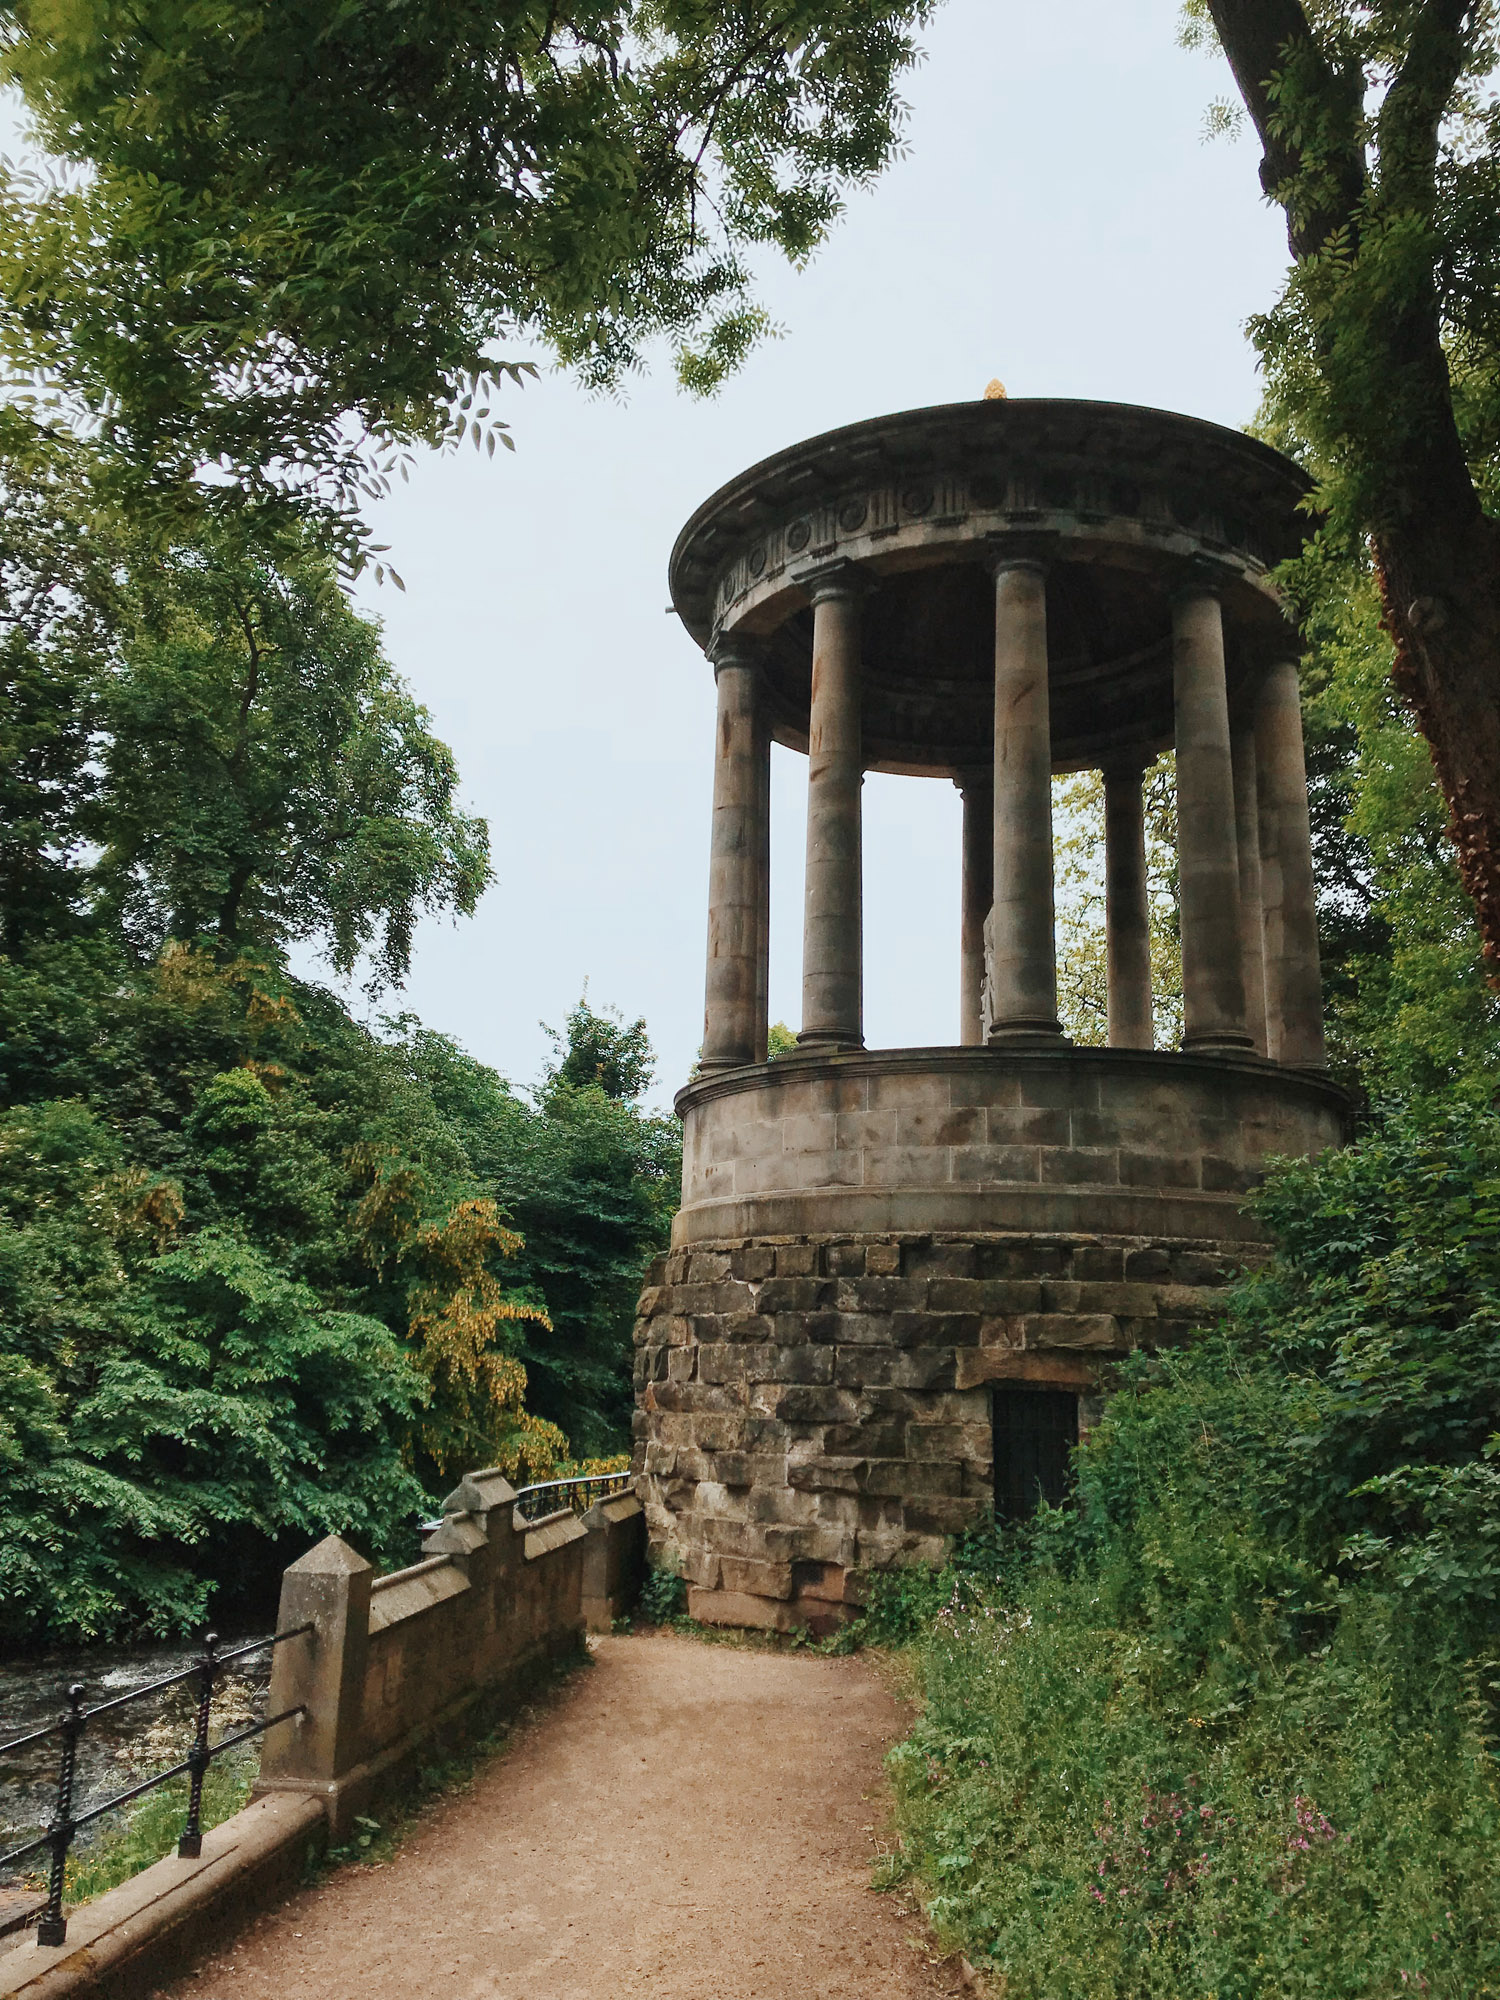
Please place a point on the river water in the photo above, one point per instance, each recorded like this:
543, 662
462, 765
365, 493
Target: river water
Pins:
121, 1748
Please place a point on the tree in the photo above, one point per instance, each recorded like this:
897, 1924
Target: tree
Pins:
304, 230
256, 1284
463, 1323
266, 776
1404, 979
600, 1049
590, 1182
59, 599
1382, 147
171, 1404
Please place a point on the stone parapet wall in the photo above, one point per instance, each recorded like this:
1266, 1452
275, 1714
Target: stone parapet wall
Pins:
614, 1560
1133, 1142
395, 1670
396, 1666
813, 1409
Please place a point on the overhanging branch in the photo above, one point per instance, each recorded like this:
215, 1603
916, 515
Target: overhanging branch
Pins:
1312, 165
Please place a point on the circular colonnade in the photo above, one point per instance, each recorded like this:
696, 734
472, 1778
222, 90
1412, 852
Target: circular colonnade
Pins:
897, 1275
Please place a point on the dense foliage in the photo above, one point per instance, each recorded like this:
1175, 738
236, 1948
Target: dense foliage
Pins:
1082, 964
265, 1272
260, 1279
591, 1182
1410, 1005
1226, 1724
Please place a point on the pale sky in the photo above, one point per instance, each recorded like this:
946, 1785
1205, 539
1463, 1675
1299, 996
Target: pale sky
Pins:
1058, 222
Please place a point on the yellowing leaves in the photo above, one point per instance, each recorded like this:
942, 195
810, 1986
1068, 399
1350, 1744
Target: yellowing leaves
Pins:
457, 1313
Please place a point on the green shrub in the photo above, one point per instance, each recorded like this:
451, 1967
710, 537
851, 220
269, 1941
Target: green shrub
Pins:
150, 1829
1225, 1725
663, 1597
1078, 1825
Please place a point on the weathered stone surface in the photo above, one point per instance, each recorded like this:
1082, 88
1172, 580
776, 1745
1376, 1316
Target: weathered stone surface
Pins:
851, 1405
815, 1389
759, 1579
1070, 1329
797, 1260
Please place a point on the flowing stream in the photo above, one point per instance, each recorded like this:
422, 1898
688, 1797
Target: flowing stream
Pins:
121, 1748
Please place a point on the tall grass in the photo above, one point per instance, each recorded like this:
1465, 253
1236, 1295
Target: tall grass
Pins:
1226, 1726
1087, 1820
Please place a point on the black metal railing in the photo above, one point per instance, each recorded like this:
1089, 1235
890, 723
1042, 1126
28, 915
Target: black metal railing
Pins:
552, 1495
52, 1927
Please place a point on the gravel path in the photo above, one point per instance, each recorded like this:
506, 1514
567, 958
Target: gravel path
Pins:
686, 1821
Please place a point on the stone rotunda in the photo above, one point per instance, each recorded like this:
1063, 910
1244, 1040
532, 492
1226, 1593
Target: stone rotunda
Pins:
899, 1276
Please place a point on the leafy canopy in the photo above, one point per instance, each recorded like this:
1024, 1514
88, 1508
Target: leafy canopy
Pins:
1380, 135
1410, 1006
601, 1050
265, 1275
591, 1181
1078, 843
266, 777
60, 608
301, 233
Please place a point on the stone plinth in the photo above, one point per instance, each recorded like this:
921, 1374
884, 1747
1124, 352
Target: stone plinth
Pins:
871, 1244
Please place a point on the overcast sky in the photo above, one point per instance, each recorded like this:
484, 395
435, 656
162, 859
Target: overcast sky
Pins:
1057, 222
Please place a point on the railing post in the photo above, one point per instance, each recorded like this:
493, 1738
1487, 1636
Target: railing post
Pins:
190, 1846
52, 1927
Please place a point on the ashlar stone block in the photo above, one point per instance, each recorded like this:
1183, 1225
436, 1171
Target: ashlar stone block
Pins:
814, 1401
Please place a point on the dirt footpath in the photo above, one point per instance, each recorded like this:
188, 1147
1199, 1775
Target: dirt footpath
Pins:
686, 1821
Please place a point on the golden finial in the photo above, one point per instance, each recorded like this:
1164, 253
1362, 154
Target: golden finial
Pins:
995, 391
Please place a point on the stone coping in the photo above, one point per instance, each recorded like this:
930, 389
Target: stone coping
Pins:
894, 1212
1156, 1065
1019, 1139
129, 1941
1227, 494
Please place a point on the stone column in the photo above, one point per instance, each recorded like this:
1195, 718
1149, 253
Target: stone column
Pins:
1022, 946
763, 894
978, 791
1247, 848
833, 931
1127, 914
1294, 986
735, 886
1213, 981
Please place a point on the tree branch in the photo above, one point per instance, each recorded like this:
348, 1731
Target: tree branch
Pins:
1412, 115
1261, 38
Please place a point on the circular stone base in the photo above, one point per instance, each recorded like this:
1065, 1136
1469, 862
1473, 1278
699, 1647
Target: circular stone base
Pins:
816, 1381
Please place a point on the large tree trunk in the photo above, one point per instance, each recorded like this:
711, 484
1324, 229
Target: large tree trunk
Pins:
1437, 553
1441, 586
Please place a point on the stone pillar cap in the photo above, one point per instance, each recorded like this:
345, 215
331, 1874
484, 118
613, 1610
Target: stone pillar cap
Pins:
477, 1492
330, 1557
839, 578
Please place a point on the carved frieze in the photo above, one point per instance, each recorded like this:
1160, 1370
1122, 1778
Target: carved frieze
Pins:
1016, 495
